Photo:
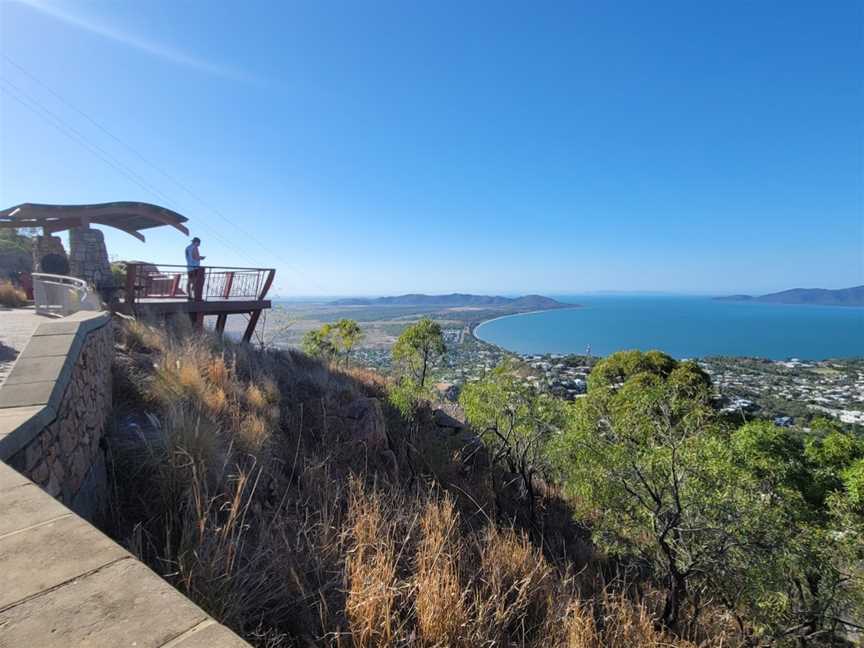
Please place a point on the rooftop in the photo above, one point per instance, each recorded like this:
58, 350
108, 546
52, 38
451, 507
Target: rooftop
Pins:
129, 217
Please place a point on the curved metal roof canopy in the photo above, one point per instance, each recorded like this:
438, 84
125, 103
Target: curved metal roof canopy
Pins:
130, 217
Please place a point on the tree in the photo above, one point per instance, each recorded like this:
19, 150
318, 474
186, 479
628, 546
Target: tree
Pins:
317, 343
16, 240
419, 347
639, 448
733, 516
515, 422
331, 340
347, 334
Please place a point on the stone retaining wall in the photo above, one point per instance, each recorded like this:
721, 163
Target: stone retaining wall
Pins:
66, 457
54, 407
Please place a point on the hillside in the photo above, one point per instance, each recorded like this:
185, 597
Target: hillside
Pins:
293, 502
809, 296
456, 300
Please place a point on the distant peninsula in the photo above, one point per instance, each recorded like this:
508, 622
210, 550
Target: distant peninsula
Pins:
459, 300
810, 296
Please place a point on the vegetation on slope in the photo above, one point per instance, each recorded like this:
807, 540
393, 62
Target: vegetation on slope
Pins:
291, 500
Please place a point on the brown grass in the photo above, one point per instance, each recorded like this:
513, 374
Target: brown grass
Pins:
10, 296
438, 586
243, 490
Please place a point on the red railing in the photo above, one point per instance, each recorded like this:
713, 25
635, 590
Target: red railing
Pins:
146, 281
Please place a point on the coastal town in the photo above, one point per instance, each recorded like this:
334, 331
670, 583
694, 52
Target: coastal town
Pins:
788, 392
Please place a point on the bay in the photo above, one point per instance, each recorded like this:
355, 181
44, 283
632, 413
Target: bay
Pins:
683, 327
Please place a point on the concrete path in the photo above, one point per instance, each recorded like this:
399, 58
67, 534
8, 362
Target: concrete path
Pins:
16, 327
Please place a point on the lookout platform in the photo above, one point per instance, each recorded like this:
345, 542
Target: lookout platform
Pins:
164, 289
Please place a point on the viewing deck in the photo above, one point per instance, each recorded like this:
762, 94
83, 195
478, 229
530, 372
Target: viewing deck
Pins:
161, 290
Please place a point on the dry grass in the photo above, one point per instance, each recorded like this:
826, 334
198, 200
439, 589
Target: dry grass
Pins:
10, 296
243, 492
370, 573
437, 580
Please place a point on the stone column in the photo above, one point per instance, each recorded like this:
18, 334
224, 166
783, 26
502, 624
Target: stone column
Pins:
44, 245
88, 258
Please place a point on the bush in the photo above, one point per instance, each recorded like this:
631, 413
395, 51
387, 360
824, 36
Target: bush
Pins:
11, 297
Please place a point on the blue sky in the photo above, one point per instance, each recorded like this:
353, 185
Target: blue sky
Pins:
372, 148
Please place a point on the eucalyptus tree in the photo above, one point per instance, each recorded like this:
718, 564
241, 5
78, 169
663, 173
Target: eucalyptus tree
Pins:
740, 518
418, 348
332, 340
515, 422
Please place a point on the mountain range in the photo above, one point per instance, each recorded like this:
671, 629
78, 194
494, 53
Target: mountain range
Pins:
813, 296
457, 300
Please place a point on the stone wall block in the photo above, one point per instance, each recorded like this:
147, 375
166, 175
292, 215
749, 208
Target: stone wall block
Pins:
53, 487
39, 475
89, 257
67, 437
32, 455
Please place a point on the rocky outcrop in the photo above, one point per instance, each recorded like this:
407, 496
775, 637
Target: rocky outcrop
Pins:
363, 419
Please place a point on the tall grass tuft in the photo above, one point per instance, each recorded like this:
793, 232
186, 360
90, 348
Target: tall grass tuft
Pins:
440, 599
370, 573
10, 296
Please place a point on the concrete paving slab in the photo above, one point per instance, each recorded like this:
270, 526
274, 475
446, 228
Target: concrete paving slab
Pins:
9, 413
16, 327
26, 506
49, 345
34, 370
56, 327
123, 604
208, 637
83, 321
28, 394
46, 556
10, 478
20, 425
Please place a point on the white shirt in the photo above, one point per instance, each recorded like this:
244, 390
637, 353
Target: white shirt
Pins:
191, 261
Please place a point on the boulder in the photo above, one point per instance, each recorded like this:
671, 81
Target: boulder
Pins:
366, 418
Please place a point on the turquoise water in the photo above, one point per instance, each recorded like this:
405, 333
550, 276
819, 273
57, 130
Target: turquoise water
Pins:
684, 327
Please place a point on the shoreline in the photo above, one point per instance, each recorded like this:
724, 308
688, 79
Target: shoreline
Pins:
473, 326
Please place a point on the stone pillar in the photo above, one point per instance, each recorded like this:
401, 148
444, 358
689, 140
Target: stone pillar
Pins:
88, 258
44, 245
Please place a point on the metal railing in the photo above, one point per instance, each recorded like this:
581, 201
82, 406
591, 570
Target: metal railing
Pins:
62, 295
165, 282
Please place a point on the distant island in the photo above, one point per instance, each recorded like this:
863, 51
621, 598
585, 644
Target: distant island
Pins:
810, 296
459, 300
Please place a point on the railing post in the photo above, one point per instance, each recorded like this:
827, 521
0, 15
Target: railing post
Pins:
198, 278
131, 272
175, 285
229, 282
271, 274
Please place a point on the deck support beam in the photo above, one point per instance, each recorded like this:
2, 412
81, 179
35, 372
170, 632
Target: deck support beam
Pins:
221, 319
197, 320
253, 322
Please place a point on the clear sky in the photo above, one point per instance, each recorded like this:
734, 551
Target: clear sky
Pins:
385, 147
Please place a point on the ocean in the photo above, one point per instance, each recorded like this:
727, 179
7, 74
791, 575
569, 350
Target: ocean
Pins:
683, 327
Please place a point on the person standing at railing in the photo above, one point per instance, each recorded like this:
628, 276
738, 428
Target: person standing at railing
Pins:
195, 283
